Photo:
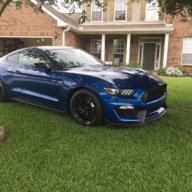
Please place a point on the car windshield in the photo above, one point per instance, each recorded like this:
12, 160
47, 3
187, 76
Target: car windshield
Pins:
67, 58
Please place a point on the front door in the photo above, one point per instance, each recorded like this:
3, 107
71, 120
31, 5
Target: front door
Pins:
149, 56
37, 85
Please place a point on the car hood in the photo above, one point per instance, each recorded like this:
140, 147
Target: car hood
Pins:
121, 77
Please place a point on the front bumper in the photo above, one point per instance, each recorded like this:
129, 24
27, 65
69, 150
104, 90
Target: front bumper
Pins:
133, 111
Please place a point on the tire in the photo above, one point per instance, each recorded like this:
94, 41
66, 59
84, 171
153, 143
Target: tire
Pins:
85, 108
3, 93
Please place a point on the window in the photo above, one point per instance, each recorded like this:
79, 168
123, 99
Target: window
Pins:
13, 58
67, 58
120, 10
97, 12
96, 48
28, 58
187, 51
152, 11
118, 49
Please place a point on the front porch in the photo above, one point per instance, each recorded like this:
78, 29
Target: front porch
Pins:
148, 50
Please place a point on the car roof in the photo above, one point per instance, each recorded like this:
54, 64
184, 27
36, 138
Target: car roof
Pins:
38, 47
53, 47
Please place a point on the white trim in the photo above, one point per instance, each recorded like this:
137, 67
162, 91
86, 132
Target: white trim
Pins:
157, 62
122, 31
140, 49
166, 46
128, 48
103, 47
63, 36
60, 23
187, 65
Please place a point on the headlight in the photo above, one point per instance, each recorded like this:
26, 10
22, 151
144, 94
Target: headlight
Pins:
119, 92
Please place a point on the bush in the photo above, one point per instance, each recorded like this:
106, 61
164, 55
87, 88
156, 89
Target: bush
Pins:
174, 71
161, 71
182, 69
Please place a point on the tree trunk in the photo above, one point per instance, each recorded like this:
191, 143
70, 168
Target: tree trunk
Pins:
3, 5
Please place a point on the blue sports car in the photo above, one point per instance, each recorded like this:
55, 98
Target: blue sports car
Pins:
69, 79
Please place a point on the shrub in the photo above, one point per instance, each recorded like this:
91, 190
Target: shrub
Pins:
183, 69
161, 71
174, 71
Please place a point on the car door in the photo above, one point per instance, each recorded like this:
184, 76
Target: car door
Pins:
35, 84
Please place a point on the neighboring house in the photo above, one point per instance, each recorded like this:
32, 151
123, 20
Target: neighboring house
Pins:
124, 33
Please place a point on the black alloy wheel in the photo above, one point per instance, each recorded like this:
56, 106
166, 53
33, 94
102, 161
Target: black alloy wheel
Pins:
85, 108
3, 94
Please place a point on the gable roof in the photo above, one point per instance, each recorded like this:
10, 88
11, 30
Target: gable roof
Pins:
62, 20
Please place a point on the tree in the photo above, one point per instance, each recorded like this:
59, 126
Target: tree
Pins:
174, 8
171, 7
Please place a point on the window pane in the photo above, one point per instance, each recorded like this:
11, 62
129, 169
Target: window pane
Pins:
96, 16
187, 45
13, 58
96, 12
187, 58
152, 11
120, 10
96, 48
118, 49
30, 57
187, 50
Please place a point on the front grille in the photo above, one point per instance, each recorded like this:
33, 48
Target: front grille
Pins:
154, 93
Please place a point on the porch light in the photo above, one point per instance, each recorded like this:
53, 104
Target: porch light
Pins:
55, 35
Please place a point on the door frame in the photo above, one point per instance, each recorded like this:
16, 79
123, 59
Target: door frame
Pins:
147, 40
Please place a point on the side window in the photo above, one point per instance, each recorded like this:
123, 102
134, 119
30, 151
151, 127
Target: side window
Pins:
28, 58
13, 58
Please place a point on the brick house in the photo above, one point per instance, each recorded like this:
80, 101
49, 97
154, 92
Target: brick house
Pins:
125, 33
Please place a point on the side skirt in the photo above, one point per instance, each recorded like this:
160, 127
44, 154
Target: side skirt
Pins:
39, 105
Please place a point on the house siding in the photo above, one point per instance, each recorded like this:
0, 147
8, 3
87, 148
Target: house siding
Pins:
129, 10
111, 10
143, 10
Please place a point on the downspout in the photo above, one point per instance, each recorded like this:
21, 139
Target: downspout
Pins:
64, 31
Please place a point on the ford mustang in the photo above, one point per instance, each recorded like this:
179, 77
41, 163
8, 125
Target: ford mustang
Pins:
69, 79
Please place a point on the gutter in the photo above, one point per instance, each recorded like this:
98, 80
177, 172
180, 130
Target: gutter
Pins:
64, 31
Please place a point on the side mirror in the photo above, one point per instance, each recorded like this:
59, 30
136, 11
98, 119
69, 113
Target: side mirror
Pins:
42, 65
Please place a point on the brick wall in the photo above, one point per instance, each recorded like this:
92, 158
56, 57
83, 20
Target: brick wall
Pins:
74, 40
176, 41
26, 22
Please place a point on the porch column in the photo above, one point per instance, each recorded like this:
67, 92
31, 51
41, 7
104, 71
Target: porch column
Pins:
103, 47
166, 46
128, 48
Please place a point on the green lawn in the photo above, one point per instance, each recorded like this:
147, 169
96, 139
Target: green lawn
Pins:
47, 151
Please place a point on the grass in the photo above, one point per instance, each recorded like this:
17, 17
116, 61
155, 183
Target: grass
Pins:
47, 151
